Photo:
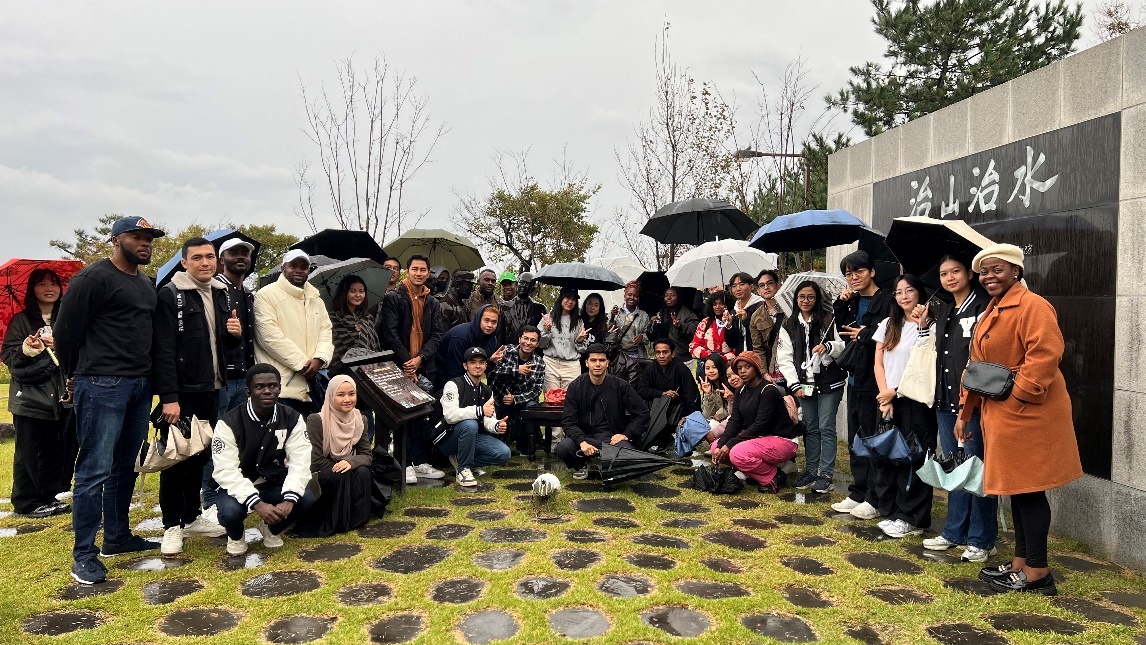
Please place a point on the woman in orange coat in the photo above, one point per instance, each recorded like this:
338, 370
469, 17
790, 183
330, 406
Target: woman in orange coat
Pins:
1028, 438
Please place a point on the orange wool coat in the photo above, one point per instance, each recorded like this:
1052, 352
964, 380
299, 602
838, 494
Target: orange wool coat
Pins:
1028, 439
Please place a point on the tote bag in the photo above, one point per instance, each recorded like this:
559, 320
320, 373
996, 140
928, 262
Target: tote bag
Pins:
918, 382
184, 439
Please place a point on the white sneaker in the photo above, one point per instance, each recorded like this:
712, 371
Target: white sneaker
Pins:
426, 471
975, 554
172, 543
845, 506
865, 511
900, 529
236, 547
939, 543
454, 462
884, 523
411, 475
270, 540
466, 478
64, 496
204, 526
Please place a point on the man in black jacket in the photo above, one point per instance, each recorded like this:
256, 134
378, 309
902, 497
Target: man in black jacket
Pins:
235, 255
858, 312
675, 323
595, 413
669, 377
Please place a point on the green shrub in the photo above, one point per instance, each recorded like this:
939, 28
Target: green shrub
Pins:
5, 377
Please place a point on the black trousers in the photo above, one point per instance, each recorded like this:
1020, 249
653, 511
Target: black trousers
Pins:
863, 412
568, 450
1032, 516
180, 485
900, 493
44, 460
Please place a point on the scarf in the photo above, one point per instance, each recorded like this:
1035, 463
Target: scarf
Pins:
340, 430
417, 307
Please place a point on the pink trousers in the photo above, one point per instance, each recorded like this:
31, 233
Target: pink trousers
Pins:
757, 458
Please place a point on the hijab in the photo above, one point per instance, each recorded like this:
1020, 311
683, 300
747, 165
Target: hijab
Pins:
340, 430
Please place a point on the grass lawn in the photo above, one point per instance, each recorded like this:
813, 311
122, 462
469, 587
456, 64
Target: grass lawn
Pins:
847, 598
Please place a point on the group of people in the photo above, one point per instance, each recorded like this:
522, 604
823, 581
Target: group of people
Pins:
297, 450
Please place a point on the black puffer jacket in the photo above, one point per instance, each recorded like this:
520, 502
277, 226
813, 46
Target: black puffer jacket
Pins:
37, 383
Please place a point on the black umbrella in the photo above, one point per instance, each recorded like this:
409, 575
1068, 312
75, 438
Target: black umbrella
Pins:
920, 242
315, 262
886, 264
616, 464
578, 275
696, 221
342, 245
653, 287
327, 278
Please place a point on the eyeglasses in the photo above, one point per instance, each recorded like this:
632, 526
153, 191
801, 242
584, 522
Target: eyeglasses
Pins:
857, 272
905, 292
806, 298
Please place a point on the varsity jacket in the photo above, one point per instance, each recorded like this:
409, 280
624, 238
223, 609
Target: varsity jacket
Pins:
248, 451
240, 356
463, 399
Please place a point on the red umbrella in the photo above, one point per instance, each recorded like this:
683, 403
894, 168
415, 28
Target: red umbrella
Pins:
14, 282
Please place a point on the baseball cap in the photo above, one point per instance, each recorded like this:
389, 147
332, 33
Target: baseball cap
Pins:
133, 223
293, 255
507, 276
235, 241
474, 352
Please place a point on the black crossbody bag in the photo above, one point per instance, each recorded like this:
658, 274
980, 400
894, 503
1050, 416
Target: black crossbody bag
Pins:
991, 380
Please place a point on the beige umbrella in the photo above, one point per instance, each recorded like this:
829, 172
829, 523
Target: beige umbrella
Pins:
442, 247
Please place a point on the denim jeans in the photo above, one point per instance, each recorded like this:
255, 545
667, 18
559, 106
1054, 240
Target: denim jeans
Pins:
232, 514
111, 426
819, 413
970, 518
473, 447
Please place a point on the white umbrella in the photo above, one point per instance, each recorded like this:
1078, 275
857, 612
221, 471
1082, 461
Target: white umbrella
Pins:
626, 267
714, 263
832, 284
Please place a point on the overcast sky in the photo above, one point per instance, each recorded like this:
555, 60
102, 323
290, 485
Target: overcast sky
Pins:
190, 112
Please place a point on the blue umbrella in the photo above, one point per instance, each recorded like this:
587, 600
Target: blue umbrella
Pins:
172, 266
691, 433
808, 230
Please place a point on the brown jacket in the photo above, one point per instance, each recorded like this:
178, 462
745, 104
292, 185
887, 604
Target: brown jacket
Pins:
1028, 439
359, 456
763, 330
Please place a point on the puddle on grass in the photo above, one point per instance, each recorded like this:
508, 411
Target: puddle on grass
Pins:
711, 590
162, 592
541, 588
330, 552
55, 623
739, 504
198, 622
971, 586
576, 559
1126, 598
795, 519
883, 563
511, 534
660, 541
941, 557
487, 626
150, 525
457, 591
900, 595
426, 511
805, 597
399, 628
579, 623
604, 505
786, 629
864, 532
650, 561
677, 621
755, 524
277, 584
153, 564
654, 491
449, 532
368, 593
584, 536
79, 592
386, 529
964, 634
807, 566
1083, 565
298, 629
865, 634
609, 522
472, 501
411, 559
683, 507
500, 559
721, 565
813, 541
23, 529
1093, 611
1017, 621
487, 516
247, 561
738, 540
683, 523
625, 586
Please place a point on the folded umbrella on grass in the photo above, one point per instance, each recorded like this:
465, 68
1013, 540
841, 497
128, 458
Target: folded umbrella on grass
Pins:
616, 464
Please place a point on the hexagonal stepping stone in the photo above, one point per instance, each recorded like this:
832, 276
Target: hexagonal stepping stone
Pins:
23, 529
786, 629
457, 591
796, 519
900, 595
472, 501
449, 532
79, 592
972, 586
883, 563
711, 590
521, 487
512, 534
1093, 611
807, 566
399, 628
625, 586
687, 508
153, 563
386, 529
413, 558
813, 541
330, 552
426, 511
865, 634
1016, 621
964, 634
161, 592
576, 559
683, 523
298, 629
482, 487
488, 626
739, 504
938, 557
721, 565
55, 623
660, 541
754, 524
1084, 565
499, 559
616, 523
585, 487
246, 561
487, 516
278, 584
579, 622
364, 594
196, 621
585, 536
649, 561
864, 532
515, 473
805, 597
738, 540
802, 497
654, 491
604, 505
677, 621
1126, 598
541, 588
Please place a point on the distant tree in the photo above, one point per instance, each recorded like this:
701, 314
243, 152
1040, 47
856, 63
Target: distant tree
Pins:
273, 244
1114, 18
89, 247
943, 51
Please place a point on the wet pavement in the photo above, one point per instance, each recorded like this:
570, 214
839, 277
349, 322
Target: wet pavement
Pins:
56, 623
79, 592
400, 628
298, 629
625, 586
330, 552
361, 595
677, 621
541, 588
162, 592
579, 622
712, 590
805, 597
499, 559
198, 622
411, 559
786, 629
457, 591
488, 626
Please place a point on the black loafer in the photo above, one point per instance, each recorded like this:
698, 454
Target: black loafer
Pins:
1017, 582
987, 574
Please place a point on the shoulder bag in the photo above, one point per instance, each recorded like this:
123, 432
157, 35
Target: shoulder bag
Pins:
918, 381
989, 380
